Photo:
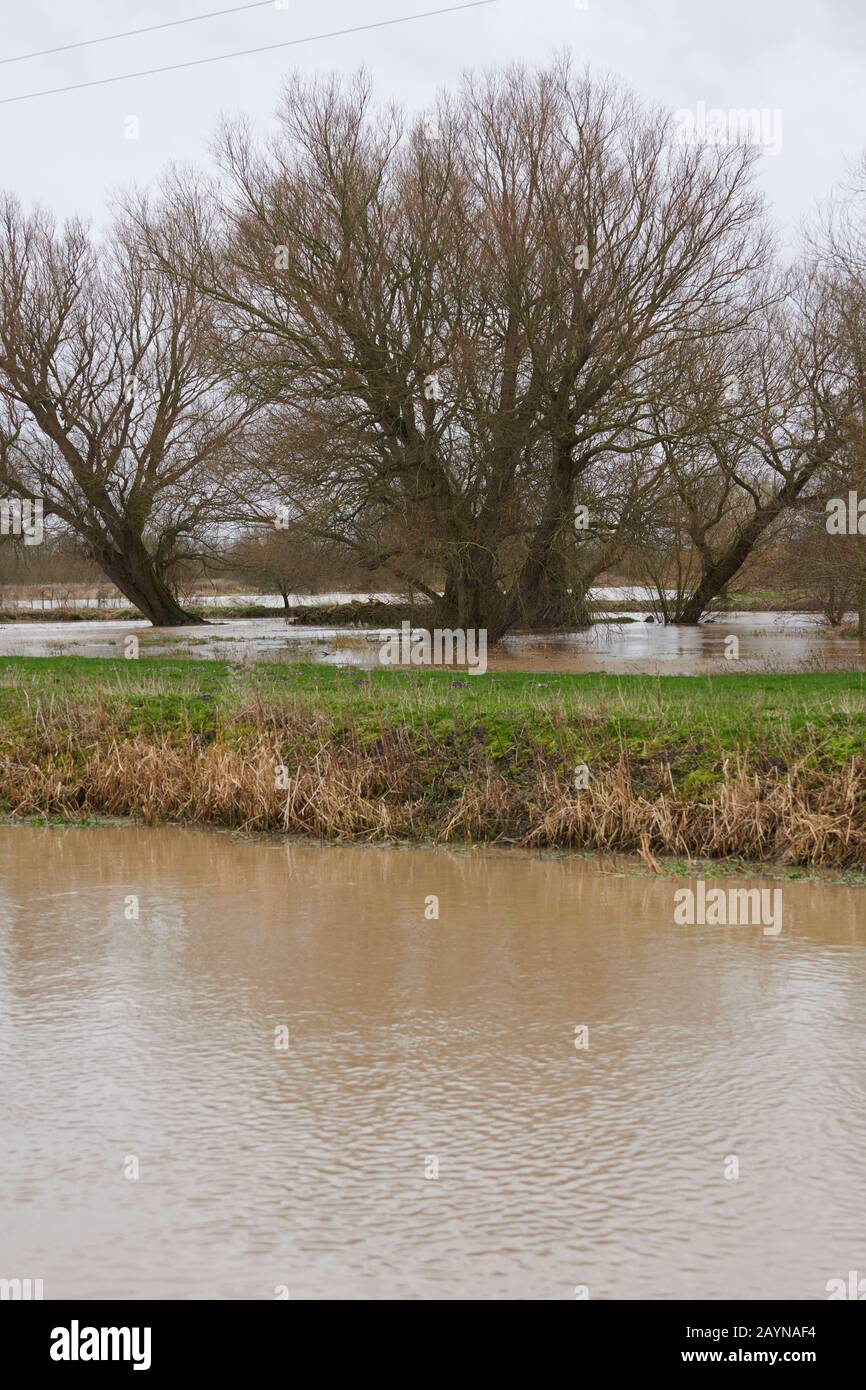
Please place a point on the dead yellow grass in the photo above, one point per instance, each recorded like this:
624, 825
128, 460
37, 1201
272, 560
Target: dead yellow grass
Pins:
344, 792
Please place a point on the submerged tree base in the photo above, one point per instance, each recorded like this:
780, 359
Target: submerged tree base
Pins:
181, 619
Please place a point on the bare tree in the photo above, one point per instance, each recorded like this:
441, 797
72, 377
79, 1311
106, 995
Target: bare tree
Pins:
839, 245
757, 424
108, 412
457, 325
284, 560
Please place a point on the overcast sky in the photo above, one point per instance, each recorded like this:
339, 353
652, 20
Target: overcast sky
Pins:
802, 58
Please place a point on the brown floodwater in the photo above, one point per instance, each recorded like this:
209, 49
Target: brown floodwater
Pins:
766, 642
415, 1044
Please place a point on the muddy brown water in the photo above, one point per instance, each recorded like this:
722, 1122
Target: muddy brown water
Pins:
410, 1040
767, 642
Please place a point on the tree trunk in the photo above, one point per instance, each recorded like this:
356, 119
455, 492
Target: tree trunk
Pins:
554, 603
832, 607
472, 598
722, 571
546, 594
861, 608
134, 574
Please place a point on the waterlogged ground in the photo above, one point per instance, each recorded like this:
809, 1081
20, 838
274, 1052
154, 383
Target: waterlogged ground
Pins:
57, 596
418, 1046
766, 642
54, 597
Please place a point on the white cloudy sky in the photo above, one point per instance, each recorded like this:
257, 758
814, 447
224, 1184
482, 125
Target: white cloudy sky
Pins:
804, 57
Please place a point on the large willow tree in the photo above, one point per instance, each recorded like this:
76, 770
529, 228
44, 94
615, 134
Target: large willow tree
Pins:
460, 326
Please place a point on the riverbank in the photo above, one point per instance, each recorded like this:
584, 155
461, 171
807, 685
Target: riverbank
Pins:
770, 769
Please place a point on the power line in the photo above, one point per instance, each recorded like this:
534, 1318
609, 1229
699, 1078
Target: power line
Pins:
130, 33
246, 52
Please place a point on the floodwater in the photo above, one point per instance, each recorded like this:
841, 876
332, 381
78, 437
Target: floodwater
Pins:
431, 1130
767, 642
50, 596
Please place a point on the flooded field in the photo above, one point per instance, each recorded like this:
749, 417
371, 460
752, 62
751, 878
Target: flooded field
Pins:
50, 597
239, 1070
767, 642
47, 597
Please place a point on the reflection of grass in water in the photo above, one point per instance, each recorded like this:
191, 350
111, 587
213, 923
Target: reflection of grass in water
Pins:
734, 764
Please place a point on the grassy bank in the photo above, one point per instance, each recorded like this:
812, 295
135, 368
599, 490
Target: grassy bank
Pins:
766, 768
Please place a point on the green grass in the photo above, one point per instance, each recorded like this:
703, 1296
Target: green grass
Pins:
690, 723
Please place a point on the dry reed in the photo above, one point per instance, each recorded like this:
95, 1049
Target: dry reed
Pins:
344, 791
